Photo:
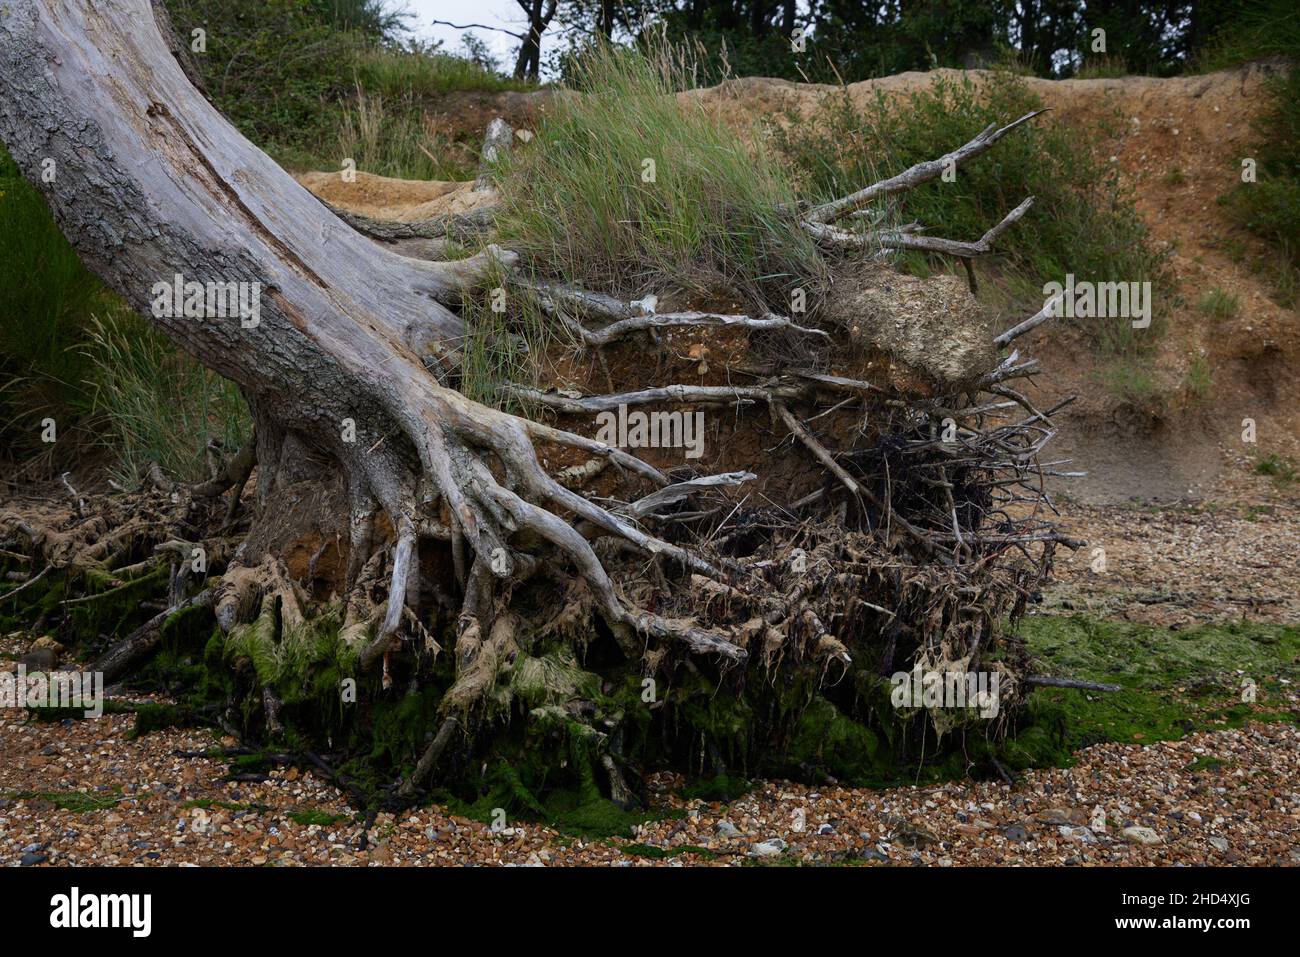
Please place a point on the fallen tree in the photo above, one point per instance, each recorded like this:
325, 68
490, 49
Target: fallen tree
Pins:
875, 501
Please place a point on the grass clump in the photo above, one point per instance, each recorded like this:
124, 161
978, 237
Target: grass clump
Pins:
629, 189
1278, 467
394, 136
1129, 380
1219, 304
1199, 379
72, 351
157, 404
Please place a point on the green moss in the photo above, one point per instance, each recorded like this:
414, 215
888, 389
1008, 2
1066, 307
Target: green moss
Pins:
825, 738
663, 853
78, 802
319, 818
150, 717
1173, 682
720, 787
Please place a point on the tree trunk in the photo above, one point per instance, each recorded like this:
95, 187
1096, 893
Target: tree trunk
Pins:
152, 182
348, 362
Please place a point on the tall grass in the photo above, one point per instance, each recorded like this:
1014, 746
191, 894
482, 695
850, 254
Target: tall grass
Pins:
629, 188
72, 351
154, 404
1084, 220
400, 141
416, 71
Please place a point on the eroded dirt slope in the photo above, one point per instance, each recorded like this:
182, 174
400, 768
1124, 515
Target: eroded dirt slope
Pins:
1181, 148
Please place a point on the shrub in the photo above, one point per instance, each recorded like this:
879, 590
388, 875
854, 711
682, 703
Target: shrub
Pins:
1084, 220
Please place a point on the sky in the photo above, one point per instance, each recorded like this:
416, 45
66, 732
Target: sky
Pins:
495, 13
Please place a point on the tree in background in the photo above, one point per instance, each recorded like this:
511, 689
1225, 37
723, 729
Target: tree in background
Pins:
851, 40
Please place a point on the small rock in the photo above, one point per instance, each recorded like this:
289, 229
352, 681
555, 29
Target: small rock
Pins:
874, 854
1140, 835
45, 642
768, 848
726, 829
1077, 834
29, 860
1220, 844
1016, 832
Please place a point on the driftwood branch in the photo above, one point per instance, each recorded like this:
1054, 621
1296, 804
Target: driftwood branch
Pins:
916, 175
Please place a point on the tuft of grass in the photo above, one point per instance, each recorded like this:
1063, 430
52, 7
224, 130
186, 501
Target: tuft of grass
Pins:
1199, 379
628, 188
1279, 468
397, 138
72, 351
1219, 304
1129, 380
157, 404
1102, 68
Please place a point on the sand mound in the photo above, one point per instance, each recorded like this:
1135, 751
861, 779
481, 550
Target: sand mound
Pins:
402, 200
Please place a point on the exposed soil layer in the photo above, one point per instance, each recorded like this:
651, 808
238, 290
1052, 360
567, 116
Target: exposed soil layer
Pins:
1183, 143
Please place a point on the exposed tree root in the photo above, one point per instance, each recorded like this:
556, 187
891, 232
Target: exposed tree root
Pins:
881, 525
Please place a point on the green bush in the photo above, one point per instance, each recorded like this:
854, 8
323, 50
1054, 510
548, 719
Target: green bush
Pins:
1270, 206
297, 77
1259, 30
1083, 221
